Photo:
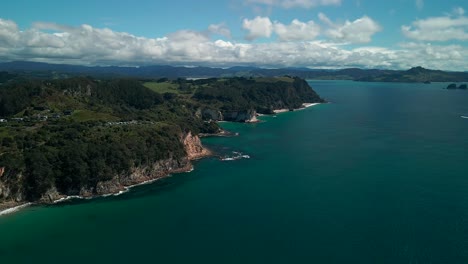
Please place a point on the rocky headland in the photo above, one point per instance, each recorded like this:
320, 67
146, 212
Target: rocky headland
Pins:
86, 138
119, 183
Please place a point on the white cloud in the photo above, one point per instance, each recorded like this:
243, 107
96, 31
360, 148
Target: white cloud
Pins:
297, 30
219, 29
357, 31
419, 4
8, 32
262, 27
442, 28
87, 45
295, 3
259, 27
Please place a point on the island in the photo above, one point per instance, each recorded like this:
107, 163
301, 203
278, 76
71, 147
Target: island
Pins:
88, 137
454, 86
416, 75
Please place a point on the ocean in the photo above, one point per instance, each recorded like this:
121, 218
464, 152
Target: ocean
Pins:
378, 175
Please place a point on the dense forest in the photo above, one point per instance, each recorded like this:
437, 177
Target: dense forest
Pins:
72, 134
259, 94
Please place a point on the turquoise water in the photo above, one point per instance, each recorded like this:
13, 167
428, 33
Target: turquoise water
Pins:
377, 176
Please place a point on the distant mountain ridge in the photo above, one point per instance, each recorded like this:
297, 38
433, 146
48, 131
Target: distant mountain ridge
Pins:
417, 74
47, 70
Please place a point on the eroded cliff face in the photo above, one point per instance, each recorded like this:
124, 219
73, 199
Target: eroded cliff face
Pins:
12, 194
194, 147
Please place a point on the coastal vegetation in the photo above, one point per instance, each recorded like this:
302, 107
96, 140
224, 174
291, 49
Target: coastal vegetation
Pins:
86, 136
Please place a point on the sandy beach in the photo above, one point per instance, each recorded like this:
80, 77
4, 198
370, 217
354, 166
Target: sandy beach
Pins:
304, 106
277, 111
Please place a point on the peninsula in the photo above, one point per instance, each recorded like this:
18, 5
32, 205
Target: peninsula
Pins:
89, 137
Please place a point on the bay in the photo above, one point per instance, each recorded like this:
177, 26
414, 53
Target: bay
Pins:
378, 175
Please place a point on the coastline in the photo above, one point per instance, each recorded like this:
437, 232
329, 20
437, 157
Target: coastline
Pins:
14, 209
11, 207
193, 153
304, 106
222, 133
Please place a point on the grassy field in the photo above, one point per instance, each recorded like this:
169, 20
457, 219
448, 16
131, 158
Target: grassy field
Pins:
163, 87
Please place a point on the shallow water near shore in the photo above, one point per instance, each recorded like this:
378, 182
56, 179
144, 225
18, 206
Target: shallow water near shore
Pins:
379, 175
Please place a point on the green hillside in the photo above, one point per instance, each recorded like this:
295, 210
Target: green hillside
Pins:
71, 135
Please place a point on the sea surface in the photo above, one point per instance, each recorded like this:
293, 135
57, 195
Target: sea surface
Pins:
378, 175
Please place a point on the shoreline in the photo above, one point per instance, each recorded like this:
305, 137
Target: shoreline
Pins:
13, 207
126, 189
222, 133
304, 106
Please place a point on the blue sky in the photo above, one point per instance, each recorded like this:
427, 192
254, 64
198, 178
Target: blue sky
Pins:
269, 33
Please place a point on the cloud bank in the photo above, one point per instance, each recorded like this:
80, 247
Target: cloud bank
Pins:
297, 45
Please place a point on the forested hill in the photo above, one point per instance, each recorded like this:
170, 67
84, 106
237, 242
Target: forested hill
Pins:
84, 136
44, 70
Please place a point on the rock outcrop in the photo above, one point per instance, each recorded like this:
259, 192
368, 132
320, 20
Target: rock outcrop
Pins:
452, 86
194, 147
10, 191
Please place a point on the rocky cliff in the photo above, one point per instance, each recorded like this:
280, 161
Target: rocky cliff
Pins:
194, 147
137, 175
11, 193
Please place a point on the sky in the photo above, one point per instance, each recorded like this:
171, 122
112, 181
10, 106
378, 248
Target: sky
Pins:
397, 34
